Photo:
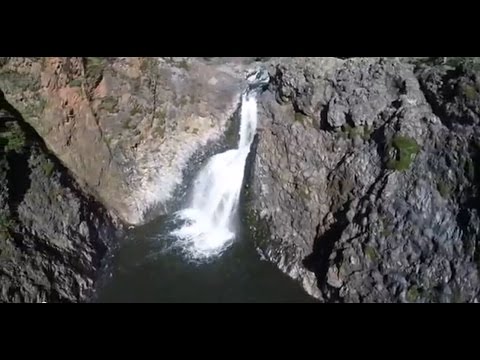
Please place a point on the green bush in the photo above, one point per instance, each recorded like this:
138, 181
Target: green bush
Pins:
413, 294
5, 223
13, 139
48, 168
406, 148
363, 132
16, 143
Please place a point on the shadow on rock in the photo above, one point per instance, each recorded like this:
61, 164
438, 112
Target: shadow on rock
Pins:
318, 261
53, 234
18, 174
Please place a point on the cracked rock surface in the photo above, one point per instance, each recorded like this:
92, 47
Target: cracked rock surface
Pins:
365, 178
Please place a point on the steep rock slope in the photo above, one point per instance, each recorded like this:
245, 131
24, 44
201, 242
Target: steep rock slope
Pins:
52, 235
366, 179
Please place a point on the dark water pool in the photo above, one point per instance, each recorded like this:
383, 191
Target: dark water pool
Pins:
144, 269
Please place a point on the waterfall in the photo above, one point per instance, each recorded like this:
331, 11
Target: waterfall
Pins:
209, 219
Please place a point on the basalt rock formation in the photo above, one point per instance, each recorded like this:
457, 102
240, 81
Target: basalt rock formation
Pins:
365, 179
53, 235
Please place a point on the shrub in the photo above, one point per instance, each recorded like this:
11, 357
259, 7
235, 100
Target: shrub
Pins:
406, 148
13, 139
48, 168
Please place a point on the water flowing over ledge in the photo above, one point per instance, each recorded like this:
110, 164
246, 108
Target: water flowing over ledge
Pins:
208, 227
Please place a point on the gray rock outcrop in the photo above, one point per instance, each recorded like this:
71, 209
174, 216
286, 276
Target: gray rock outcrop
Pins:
365, 179
53, 236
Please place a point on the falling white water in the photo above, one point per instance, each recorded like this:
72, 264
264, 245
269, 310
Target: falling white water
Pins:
208, 228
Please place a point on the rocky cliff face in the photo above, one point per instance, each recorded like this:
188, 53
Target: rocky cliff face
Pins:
366, 179
126, 127
364, 185
52, 235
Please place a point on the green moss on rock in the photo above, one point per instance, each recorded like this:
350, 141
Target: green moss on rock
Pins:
303, 191
94, 67
413, 294
470, 92
5, 223
48, 167
367, 132
406, 149
351, 132
371, 253
444, 189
